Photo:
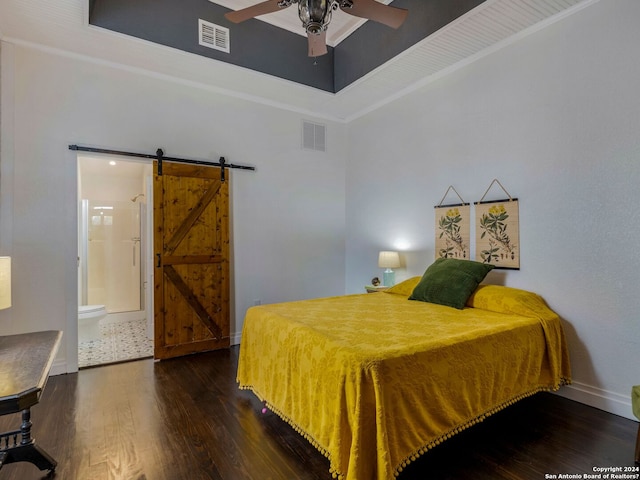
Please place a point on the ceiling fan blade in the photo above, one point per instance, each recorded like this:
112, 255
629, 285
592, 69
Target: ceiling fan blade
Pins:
317, 43
261, 8
378, 12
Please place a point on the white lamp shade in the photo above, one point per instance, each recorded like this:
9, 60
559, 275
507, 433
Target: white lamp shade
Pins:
5, 282
389, 260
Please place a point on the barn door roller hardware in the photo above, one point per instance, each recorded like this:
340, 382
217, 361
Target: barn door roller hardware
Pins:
159, 156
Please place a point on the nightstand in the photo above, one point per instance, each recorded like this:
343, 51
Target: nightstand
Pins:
372, 289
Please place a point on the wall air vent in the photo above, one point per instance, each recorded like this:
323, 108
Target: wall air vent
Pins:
213, 36
313, 136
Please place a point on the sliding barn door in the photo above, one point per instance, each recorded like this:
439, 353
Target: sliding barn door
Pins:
191, 246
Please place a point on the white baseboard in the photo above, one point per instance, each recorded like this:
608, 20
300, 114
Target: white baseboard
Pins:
123, 317
59, 367
602, 399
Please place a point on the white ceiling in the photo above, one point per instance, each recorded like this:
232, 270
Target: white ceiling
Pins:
61, 26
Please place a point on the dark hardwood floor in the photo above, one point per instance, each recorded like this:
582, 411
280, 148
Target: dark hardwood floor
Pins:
186, 419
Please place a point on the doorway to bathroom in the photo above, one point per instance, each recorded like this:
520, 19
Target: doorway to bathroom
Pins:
115, 313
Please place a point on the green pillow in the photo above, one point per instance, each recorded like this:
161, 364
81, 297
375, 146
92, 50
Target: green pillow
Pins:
450, 282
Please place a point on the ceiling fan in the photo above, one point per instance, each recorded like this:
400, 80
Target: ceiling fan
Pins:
316, 15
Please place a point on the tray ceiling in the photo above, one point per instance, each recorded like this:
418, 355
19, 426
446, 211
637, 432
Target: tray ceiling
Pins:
61, 27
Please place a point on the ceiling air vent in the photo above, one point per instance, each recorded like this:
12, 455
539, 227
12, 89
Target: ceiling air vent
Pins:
213, 36
313, 136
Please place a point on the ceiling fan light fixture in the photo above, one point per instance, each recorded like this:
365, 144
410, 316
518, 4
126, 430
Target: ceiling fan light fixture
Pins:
314, 14
314, 28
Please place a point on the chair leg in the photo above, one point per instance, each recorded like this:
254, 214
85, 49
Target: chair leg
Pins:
638, 447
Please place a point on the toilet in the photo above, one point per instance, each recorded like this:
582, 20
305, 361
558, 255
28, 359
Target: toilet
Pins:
89, 317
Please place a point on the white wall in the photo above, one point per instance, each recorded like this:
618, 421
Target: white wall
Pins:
556, 118
288, 216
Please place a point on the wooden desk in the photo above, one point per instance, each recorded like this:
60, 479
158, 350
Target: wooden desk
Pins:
25, 361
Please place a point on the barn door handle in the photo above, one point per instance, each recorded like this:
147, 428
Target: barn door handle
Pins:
159, 261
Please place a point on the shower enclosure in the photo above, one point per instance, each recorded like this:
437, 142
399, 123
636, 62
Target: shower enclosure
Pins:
112, 254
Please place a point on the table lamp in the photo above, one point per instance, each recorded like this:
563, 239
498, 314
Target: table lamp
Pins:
389, 261
5, 282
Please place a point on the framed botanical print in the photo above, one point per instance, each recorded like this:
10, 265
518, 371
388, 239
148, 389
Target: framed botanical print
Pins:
497, 233
453, 231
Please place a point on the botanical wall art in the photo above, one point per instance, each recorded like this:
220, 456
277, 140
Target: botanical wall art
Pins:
497, 232
453, 229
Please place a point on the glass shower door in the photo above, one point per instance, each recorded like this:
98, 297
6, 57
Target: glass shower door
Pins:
114, 261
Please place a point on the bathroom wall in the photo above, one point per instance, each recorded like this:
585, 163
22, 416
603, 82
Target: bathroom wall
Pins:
113, 223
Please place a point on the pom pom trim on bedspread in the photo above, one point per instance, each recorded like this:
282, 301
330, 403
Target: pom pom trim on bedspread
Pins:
335, 473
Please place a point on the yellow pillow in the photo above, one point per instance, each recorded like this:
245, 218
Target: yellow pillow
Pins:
405, 287
498, 298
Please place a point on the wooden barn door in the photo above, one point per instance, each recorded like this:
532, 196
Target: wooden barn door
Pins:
191, 246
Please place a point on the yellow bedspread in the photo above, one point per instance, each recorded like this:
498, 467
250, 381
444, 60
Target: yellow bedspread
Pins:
375, 380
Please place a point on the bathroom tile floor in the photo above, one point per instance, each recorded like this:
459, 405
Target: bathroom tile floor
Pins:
119, 342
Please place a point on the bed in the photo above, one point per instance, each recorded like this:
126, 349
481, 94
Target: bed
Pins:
375, 380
